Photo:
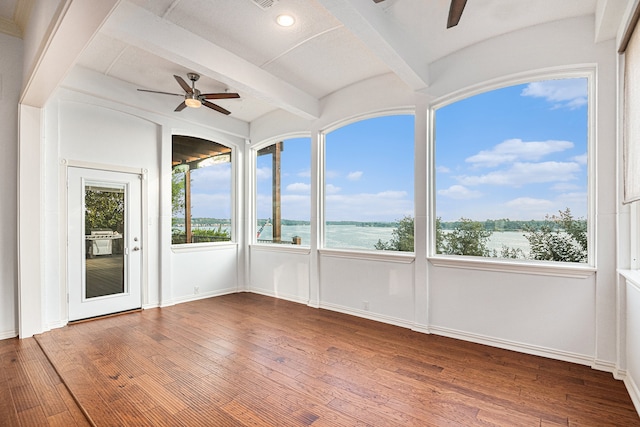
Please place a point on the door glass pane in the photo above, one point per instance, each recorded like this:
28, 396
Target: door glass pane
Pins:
104, 231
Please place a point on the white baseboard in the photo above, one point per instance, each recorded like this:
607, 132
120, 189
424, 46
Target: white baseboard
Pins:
535, 350
634, 392
204, 295
8, 334
279, 295
368, 315
606, 366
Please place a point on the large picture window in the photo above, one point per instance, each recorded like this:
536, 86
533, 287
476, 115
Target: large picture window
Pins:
511, 173
283, 192
368, 185
200, 191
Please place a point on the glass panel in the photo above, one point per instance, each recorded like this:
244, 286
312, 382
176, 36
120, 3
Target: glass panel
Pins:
283, 192
200, 191
511, 173
104, 231
369, 185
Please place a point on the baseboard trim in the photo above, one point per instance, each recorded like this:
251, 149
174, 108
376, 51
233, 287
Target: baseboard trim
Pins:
535, 350
279, 295
368, 315
8, 334
205, 295
634, 392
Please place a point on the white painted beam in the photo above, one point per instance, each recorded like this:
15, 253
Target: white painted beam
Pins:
76, 25
143, 29
388, 42
608, 16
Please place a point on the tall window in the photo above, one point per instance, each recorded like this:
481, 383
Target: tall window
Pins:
283, 188
200, 191
511, 172
369, 185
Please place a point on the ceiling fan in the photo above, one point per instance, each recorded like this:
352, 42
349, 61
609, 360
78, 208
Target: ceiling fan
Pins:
455, 11
194, 98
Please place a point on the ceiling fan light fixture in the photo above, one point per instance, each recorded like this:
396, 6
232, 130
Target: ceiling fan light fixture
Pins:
193, 102
285, 20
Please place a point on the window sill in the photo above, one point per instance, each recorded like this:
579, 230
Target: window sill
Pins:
387, 256
199, 247
513, 266
266, 247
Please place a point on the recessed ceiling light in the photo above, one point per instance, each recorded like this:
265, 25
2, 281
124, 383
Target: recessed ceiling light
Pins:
285, 20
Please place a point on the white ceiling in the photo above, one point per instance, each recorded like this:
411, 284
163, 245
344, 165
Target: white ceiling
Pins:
236, 45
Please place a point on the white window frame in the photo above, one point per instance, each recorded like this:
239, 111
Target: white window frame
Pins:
235, 153
553, 268
322, 135
253, 192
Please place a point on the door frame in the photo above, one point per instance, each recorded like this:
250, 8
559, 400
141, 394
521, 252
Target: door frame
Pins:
65, 164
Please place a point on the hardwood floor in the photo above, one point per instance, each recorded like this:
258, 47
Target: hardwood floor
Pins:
31, 393
250, 360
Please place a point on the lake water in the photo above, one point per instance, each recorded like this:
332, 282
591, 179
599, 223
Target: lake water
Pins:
351, 236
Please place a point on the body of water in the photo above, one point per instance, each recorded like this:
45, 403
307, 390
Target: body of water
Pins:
352, 236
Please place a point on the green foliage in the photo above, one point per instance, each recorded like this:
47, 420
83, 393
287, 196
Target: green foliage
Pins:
104, 210
201, 235
561, 238
177, 193
401, 237
469, 238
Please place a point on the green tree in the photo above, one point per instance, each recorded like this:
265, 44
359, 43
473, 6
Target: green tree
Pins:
467, 238
401, 237
104, 209
177, 193
559, 238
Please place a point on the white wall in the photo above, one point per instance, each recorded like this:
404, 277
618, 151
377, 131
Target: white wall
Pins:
10, 85
87, 129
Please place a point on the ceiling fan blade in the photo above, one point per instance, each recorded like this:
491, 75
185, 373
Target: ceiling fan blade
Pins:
183, 84
163, 93
377, 1
215, 107
455, 12
219, 95
181, 107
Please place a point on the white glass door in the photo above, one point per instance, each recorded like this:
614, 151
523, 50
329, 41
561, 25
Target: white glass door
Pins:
104, 242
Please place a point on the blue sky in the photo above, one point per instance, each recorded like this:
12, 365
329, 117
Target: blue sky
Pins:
369, 173
517, 152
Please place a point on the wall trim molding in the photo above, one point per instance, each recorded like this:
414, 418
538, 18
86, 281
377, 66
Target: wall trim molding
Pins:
8, 334
634, 392
534, 350
284, 296
196, 297
368, 315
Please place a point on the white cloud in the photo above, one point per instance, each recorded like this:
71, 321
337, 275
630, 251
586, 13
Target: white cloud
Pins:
460, 192
564, 187
563, 93
263, 174
525, 173
529, 203
331, 174
442, 169
299, 187
581, 159
305, 173
354, 176
513, 150
383, 206
331, 189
